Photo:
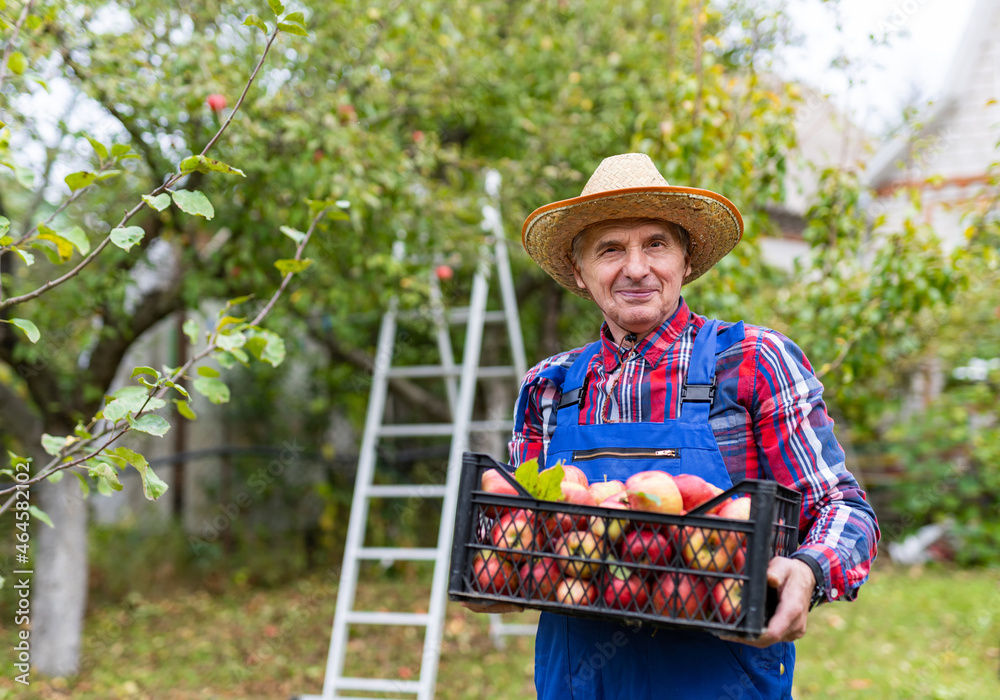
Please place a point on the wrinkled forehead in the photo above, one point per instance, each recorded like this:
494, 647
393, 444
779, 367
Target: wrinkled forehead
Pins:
623, 229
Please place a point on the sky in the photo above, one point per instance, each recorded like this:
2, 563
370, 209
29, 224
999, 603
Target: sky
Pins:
923, 37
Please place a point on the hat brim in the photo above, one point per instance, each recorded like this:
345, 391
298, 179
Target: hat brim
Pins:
712, 221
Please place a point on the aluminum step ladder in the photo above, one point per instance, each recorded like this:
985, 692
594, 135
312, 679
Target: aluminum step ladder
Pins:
460, 382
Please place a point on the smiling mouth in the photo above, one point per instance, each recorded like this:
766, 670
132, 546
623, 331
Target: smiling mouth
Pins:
636, 293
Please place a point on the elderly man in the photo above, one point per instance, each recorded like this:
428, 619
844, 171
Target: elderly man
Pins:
629, 243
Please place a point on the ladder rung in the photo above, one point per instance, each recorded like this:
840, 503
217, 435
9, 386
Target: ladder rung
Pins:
377, 685
426, 429
461, 315
407, 491
398, 553
522, 630
375, 617
440, 371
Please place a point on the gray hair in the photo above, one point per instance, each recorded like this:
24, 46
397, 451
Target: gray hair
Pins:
674, 229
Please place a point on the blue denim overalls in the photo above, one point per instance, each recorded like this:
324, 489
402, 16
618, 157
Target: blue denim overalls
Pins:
577, 658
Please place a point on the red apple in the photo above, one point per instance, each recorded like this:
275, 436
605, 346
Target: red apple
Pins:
216, 102
646, 548
613, 528
736, 509
575, 591
603, 490
539, 579
575, 474
492, 574
582, 545
493, 482
727, 595
695, 490
515, 531
557, 525
444, 272
678, 595
709, 549
655, 492
624, 590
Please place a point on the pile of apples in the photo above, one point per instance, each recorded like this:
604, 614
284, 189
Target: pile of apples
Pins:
617, 563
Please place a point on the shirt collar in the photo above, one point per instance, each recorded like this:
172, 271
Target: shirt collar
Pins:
654, 346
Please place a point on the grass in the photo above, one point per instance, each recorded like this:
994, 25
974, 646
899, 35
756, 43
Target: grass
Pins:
912, 634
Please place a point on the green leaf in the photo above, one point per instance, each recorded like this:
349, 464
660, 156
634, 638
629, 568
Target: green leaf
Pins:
226, 360
190, 329
99, 148
116, 410
55, 477
292, 29
178, 388
144, 370
184, 408
102, 470
78, 238
120, 149
227, 320
159, 202
17, 460
194, 202
267, 347
49, 248
296, 17
206, 371
152, 486
17, 63
81, 431
108, 174
77, 181
64, 249
203, 164
549, 483
276, 7
40, 514
136, 398
291, 266
294, 234
125, 238
29, 328
150, 423
84, 486
255, 21
52, 444
213, 389
27, 257
238, 300
231, 341
4, 225
527, 476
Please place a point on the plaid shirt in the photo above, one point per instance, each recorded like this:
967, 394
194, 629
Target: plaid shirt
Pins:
768, 417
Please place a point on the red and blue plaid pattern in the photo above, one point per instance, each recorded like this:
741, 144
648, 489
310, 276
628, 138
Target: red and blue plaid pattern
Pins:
768, 417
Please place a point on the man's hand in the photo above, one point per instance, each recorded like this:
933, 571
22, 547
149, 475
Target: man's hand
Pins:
498, 608
795, 583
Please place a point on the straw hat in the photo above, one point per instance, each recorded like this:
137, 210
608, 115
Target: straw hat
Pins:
629, 186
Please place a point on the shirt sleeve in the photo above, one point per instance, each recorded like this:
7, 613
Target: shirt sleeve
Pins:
535, 411
796, 445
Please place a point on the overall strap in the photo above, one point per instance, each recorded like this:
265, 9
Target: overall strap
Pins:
575, 385
570, 379
699, 386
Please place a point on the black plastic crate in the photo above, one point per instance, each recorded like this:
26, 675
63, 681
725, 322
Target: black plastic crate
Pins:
695, 570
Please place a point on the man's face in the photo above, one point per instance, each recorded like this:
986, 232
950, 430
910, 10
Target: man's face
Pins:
634, 274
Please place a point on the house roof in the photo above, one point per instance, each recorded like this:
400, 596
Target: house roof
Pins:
883, 165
